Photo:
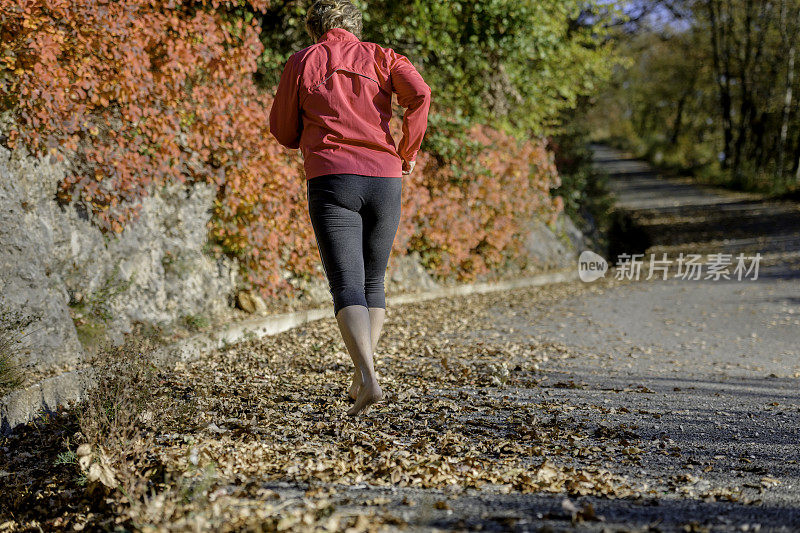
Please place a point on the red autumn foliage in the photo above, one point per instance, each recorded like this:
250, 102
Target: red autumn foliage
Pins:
146, 93
469, 218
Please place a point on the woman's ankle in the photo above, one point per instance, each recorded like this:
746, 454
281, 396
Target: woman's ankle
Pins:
369, 378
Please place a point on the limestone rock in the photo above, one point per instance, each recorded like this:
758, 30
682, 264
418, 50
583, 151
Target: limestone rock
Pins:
405, 273
30, 281
52, 256
556, 247
315, 290
154, 272
250, 302
564, 226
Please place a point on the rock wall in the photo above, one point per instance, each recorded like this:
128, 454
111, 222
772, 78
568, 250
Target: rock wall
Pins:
56, 265
154, 272
30, 273
554, 247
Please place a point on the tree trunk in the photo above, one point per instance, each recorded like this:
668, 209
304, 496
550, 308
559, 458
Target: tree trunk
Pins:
676, 127
789, 25
745, 101
797, 165
722, 79
787, 110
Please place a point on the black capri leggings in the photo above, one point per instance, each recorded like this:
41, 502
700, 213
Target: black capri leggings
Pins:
355, 219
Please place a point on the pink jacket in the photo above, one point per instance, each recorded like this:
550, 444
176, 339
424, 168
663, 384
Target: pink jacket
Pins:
334, 103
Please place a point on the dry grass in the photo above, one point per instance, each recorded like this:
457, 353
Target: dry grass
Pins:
129, 403
14, 328
10, 376
97, 464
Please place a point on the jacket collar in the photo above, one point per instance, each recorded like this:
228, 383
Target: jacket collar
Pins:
337, 34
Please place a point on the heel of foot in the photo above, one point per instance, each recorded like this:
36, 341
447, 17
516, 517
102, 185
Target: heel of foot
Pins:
367, 396
376, 396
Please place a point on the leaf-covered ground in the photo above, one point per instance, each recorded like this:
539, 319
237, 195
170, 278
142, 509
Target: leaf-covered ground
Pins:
482, 429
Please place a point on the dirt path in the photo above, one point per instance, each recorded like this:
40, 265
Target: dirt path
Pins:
608, 406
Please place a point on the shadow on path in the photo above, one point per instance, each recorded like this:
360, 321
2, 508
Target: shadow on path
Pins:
673, 215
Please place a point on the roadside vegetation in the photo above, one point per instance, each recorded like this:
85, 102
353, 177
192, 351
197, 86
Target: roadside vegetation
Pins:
584, 187
710, 89
14, 328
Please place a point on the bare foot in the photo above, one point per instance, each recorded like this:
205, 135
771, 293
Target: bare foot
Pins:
369, 394
355, 385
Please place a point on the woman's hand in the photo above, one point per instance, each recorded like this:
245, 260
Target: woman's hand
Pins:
408, 167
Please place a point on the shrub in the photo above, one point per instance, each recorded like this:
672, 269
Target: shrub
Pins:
479, 188
584, 188
128, 402
146, 93
120, 394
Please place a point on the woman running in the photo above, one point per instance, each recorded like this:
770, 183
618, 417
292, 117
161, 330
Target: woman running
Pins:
334, 102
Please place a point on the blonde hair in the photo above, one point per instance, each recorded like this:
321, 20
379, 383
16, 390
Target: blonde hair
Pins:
325, 15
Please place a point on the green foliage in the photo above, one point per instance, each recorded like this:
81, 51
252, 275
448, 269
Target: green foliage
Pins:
284, 33
67, 457
584, 189
449, 142
91, 332
660, 104
195, 322
714, 95
504, 62
501, 72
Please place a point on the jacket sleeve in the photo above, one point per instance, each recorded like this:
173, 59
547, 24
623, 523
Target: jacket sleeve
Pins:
415, 95
285, 123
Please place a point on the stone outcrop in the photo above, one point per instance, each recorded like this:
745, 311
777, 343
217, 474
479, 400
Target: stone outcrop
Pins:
30, 273
406, 274
53, 258
554, 247
154, 272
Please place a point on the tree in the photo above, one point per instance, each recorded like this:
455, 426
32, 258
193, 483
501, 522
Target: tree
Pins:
744, 51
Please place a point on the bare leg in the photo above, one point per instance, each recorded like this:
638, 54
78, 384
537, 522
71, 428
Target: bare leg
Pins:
354, 323
377, 315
